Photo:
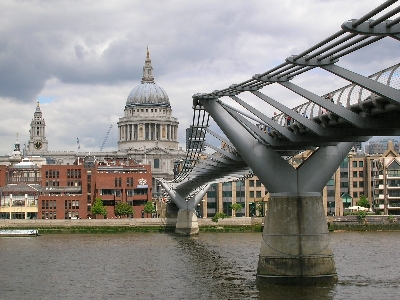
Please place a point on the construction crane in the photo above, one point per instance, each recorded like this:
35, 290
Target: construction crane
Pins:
105, 138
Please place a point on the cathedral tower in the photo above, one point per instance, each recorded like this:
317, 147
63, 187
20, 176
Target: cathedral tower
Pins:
37, 141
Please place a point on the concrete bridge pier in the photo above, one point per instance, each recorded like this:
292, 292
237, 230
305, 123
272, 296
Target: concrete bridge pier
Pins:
295, 247
186, 223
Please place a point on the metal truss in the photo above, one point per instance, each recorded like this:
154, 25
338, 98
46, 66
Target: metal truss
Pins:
353, 113
368, 106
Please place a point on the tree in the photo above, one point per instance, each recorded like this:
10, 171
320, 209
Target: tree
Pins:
98, 208
123, 209
149, 208
363, 202
219, 215
260, 208
236, 207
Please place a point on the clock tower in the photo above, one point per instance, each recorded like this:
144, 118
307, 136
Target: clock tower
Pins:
37, 141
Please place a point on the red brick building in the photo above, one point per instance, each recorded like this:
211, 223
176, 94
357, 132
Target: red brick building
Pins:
68, 191
122, 183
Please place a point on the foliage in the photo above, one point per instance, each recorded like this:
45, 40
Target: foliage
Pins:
149, 208
98, 208
363, 202
260, 208
361, 214
123, 209
219, 215
391, 219
237, 207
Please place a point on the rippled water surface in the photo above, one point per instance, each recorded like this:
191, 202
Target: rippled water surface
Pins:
166, 266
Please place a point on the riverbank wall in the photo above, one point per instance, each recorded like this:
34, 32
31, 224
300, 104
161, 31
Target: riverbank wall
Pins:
367, 223
239, 224
130, 225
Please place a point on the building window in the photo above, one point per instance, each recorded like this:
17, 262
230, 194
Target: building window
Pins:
361, 174
240, 194
344, 184
258, 182
361, 164
227, 194
355, 173
394, 182
251, 182
258, 194
354, 184
251, 194
393, 170
129, 181
211, 194
354, 164
355, 194
156, 163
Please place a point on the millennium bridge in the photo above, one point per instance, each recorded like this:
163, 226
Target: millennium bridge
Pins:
295, 245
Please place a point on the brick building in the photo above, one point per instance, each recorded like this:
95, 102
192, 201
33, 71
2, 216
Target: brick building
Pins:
68, 191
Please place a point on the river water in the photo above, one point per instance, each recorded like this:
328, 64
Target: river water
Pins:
166, 266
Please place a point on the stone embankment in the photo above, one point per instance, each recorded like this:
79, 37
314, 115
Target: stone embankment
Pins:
369, 222
351, 222
130, 224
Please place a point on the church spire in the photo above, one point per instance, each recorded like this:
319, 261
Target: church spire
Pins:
147, 69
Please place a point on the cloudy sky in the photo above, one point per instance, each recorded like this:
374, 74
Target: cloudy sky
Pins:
81, 59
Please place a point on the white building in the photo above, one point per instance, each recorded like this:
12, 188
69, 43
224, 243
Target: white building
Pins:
147, 132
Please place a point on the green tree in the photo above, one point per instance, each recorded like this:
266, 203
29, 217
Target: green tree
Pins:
260, 208
219, 215
236, 207
363, 202
149, 208
98, 208
123, 209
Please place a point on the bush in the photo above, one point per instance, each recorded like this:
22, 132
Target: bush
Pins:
361, 214
219, 215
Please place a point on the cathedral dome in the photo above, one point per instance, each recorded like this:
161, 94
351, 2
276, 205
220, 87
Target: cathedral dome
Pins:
148, 92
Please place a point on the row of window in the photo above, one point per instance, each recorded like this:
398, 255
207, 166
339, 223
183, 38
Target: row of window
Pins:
359, 164
117, 193
74, 173
71, 204
239, 194
251, 183
71, 173
129, 181
49, 204
52, 173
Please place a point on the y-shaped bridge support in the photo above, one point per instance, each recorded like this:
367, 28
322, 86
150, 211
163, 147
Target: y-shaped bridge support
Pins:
186, 223
296, 246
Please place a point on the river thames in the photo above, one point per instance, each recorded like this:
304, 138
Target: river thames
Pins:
166, 266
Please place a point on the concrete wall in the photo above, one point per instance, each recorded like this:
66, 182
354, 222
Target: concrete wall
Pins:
243, 221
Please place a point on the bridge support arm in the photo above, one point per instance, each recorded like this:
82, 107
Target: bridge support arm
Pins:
186, 223
263, 160
312, 177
